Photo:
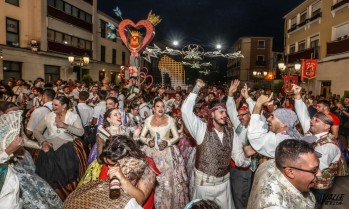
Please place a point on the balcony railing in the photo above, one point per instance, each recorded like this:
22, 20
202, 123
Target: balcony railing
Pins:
311, 53
89, 1
261, 63
339, 4
62, 48
53, 12
316, 16
338, 46
293, 27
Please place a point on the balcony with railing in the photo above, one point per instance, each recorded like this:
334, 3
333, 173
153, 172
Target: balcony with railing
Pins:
315, 16
62, 48
339, 4
261, 63
89, 1
53, 12
341, 45
311, 53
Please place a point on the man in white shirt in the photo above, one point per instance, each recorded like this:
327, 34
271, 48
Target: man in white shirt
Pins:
16, 89
145, 109
323, 142
240, 177
216, 144
120, 97
100, 108
85, 111
39, 113
77, 90
93, 97
282, 125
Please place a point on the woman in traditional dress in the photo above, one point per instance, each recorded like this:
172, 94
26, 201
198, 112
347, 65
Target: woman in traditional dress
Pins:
137, 175
172, 191
35, 192
112, 126
62, 159
111, 103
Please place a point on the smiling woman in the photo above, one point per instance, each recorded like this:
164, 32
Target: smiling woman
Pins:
62, 160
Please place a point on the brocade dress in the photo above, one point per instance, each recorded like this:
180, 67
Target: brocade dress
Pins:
172, 189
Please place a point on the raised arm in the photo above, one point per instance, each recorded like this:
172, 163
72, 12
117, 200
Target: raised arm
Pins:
231, 106
301, 109
195, 126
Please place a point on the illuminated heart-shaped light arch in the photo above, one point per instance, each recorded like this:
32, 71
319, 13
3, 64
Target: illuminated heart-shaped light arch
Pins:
122, 71
124, 27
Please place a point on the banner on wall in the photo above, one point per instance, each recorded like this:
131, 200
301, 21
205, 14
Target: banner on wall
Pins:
288, 81
309, 68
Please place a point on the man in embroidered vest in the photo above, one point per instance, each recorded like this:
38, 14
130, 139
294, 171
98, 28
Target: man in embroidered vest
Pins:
286, 181
216, 145
240, 177
323, 142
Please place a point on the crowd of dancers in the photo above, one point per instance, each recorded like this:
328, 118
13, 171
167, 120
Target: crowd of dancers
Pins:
200, 147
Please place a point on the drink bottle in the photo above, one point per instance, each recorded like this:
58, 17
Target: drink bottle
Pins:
158, 139
114, 188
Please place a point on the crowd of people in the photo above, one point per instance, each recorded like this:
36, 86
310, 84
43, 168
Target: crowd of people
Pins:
201, 147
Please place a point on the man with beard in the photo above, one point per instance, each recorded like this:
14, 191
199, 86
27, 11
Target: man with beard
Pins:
282, 125
323, 142
324, 107
286, 181
216, 145
240, 177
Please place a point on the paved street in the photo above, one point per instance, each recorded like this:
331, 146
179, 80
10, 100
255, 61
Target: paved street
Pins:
339, 196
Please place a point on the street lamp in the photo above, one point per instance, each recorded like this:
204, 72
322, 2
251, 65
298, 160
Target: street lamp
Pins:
175, 43
259, 74
218, 46
80, 61
289, 69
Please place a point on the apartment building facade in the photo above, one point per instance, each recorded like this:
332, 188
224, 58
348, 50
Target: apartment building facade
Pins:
257, 63
319, 29
39, 36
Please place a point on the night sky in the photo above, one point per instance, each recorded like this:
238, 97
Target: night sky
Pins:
208, 22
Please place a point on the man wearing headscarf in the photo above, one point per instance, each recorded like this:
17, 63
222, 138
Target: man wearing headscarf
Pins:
282, 125
216, 145
331, 160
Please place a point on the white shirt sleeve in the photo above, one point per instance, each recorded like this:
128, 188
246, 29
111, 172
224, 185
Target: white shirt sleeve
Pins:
34, 120
303, 114
4, 157
237, 153
330, 153
96, 111
232, 112
251, 104
261, 140
9, 196
195, 126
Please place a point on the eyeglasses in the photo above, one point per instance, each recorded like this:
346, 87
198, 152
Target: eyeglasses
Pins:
312, 171
241, 115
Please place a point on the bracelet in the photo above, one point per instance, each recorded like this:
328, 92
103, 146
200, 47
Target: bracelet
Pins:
196, 89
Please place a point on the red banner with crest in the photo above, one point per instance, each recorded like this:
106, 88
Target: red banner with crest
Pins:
288, 81
309, 68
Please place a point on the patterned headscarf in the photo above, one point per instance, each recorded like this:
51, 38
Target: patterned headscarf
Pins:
210, 119
290, 119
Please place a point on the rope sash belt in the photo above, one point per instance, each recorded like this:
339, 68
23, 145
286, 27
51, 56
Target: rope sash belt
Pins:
202, 179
